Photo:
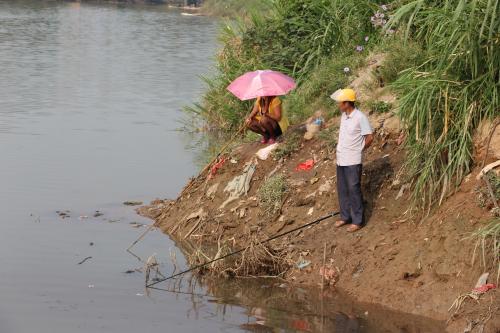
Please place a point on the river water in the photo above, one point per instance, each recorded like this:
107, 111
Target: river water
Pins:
90, 100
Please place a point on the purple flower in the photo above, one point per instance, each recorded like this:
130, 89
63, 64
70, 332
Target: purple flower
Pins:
367, 38
372, 18
384, 21
382, 15
359, 48
384, 7
347, 70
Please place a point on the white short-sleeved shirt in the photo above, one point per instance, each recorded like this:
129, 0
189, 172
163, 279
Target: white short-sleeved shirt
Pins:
353, 129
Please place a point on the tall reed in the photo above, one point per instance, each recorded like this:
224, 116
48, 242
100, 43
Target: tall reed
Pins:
443, 99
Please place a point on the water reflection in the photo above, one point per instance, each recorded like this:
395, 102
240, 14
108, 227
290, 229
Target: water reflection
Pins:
90, 97
272, 305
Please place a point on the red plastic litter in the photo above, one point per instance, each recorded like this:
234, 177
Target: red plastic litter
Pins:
484, 288
305, 166
216, 167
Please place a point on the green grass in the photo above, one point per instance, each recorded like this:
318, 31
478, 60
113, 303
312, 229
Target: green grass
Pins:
442, 61
488, 246
291, 142
445, 96
401, 54
379, 107
297, 37
271, 194
235, 8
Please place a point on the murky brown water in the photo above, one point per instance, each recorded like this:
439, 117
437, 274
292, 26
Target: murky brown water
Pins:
90, 97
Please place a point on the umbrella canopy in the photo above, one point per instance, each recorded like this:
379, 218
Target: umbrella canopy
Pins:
261, 83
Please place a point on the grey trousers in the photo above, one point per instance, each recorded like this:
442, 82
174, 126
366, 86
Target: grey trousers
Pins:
349, 193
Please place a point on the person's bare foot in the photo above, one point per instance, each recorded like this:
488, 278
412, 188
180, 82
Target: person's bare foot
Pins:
353, 228
340, 223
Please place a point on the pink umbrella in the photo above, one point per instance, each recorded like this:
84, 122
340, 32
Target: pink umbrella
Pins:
261, 83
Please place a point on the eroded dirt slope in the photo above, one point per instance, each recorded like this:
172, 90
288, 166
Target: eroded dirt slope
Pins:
416, 266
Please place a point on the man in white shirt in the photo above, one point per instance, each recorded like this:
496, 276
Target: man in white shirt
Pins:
355, 135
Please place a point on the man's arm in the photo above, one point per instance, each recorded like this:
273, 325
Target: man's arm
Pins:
366, 131
368, 141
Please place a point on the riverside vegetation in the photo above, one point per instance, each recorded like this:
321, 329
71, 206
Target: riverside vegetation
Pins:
432, 68
442, 61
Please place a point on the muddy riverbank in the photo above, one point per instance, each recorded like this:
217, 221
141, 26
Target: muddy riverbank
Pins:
418, 266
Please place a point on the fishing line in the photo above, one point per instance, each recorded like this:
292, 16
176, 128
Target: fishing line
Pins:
243, 249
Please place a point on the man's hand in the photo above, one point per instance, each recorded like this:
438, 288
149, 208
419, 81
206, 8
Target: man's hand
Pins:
368, 141
248, 120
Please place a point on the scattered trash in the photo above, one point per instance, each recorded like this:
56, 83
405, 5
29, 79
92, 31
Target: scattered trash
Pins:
311, 211
98, 213
133, 203
301, 264
264, 153
63, 214
325, 187
195, 215
201, 215
217, 165
329, 274
212, 190
234, 161
152, 265
137, 224
402, 191
483, 279
296, 182
313, 180
84, 260
83, 217
91, 286
305, 166
139, 294
482, 286
240, 185
487, 168
313, 125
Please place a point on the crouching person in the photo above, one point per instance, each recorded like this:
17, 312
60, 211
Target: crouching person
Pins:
268, 119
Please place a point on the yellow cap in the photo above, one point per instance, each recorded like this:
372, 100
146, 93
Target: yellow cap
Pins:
344, 95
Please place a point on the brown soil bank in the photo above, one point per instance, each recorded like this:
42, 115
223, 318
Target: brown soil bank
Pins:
419, 267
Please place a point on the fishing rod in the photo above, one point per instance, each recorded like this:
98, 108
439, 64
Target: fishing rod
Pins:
326, 217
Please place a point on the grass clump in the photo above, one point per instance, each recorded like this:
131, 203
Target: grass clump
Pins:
271, 194
379, 107
488, 245
291, 142
400, 55
445, 96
